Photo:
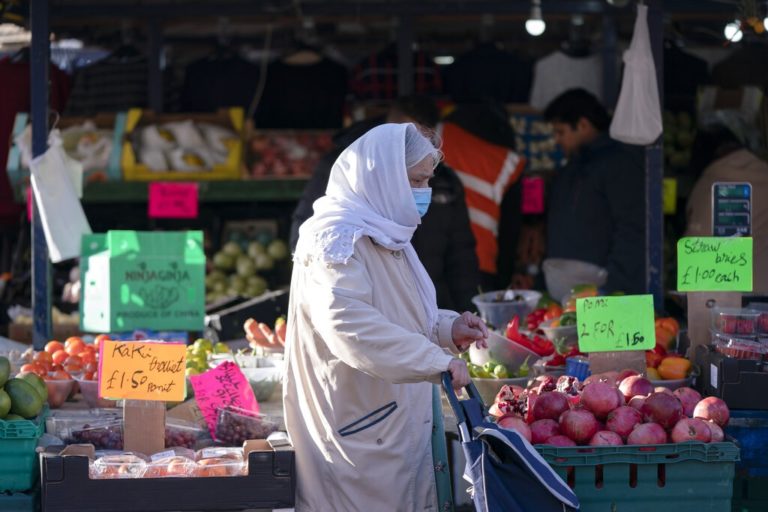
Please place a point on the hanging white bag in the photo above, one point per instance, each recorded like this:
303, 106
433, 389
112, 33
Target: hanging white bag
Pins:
637, 119
61, 213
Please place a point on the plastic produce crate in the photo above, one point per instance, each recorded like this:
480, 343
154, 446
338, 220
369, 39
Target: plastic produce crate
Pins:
18, 458
750, 494
687, 477
737, 381
750, 430
20, 501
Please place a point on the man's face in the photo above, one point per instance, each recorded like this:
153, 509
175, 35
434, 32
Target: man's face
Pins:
567, 137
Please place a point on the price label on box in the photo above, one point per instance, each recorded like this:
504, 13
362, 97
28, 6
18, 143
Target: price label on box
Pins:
714, 264
172, 200
142, 370
533, 196
616, 323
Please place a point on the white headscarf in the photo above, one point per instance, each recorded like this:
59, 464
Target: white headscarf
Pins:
369, 194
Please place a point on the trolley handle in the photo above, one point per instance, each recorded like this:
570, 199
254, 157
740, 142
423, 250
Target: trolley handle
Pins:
454, 400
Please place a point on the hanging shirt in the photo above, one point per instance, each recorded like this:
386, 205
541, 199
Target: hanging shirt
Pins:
303, 96
558, 72
212, 83
489, 72
376, 76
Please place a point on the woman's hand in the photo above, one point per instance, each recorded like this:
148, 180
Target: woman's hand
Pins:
468, 329
459, 373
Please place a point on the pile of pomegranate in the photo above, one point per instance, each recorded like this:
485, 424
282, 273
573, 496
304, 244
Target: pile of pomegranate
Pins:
609, 409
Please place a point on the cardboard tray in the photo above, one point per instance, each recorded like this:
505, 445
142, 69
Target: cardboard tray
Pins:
227, 324
66, 487
739, 382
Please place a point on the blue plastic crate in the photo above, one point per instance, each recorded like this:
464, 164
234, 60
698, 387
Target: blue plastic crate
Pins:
750, 430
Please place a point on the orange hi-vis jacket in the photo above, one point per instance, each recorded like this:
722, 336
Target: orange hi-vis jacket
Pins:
487, 171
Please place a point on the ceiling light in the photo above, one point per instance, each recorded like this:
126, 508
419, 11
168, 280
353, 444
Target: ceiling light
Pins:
765, 23
535, 25
733, 31
444, 60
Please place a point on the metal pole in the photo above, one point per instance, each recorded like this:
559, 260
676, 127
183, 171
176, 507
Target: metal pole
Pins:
405, 56
155, 83
41, 267
654, 169
610, 61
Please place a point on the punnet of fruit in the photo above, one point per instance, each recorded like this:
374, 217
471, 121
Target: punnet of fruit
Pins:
609, 409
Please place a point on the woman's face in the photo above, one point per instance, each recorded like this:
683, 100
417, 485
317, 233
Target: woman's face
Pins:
420, 174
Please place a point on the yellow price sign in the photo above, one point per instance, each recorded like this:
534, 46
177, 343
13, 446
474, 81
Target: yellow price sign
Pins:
142, 370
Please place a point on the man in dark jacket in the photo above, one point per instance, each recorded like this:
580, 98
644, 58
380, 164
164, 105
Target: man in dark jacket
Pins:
597, 202
444, 240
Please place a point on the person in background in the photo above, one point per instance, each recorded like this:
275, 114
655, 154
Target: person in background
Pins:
718, 155
596, 204
365, 340
444, 240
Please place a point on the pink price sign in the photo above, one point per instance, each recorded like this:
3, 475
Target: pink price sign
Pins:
220, 387
169, 200
533, 196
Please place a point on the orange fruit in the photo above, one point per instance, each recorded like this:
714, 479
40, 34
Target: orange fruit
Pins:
99, 339
30, 368
73, 340
42, 357
53, 346
87, 357
75, 347
60, 356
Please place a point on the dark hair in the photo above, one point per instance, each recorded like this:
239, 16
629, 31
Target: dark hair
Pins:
574, 104
421, 109
712, 143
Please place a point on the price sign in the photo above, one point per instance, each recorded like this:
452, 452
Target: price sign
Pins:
173, 200
220, 387
714, 264
142, 370
616, 323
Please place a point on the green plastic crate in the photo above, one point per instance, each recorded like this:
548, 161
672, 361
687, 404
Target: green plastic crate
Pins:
750, 494
687, 477
20, 501
18, 459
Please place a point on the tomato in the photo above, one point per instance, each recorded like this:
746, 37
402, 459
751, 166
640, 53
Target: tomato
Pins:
87, 357
60, 356
73, 340
53, 346
89, 376
43, 357
553, 311
60, 375
99, 339
56, 367
31, 368
90, 368
75, 347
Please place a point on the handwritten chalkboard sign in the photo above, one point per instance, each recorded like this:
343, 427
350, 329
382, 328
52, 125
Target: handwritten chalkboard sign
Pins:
708, 264
534, 139
223, 386
616, 323
142, 370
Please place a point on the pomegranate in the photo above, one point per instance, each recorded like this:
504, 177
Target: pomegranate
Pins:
623, 374
550, 406
578, 424
647, 433
508, 393
664, 409
662, 389
600, 398
635, 385
689, 398
622, 400
544, 384
500, 409
517, 424
606, 438
636, 402
712, 409
716, 431
541, 430
691, 429
560, 441
569, 385
623, 420
607, 378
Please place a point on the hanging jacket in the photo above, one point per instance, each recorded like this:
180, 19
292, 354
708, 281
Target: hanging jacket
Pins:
487, 171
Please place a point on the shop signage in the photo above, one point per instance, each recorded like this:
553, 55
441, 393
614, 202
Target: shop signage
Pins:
616, 323
177, 200
714, 264
142, 370
223, 386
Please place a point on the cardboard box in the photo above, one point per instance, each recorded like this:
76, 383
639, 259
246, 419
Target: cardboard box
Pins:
142, 280
23, 332
270, 484
232, 119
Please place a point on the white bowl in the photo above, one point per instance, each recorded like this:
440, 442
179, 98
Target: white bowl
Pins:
499, 313
562, 275
569, 332
502, 351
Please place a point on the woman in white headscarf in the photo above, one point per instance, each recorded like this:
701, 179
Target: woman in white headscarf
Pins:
365, 340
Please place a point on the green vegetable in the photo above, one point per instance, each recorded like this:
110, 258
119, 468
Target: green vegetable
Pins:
500, 372
524, 369
568, 319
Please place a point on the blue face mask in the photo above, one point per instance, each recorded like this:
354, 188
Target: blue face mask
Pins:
423, 197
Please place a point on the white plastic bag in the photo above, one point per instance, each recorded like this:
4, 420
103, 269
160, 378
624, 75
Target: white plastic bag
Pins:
61, 213
637, 119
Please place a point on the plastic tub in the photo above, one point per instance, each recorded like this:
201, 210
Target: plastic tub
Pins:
103, 435
234, 426
58, 391
504, 351
735, 321
497, 313
263, 381
577, 366
122, 466
218, 462
180, 433
673, 384
562, 275
567, 332
90, 392
739, 348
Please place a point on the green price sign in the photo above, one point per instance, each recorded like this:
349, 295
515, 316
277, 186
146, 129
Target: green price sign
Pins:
714, 264
608, 324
